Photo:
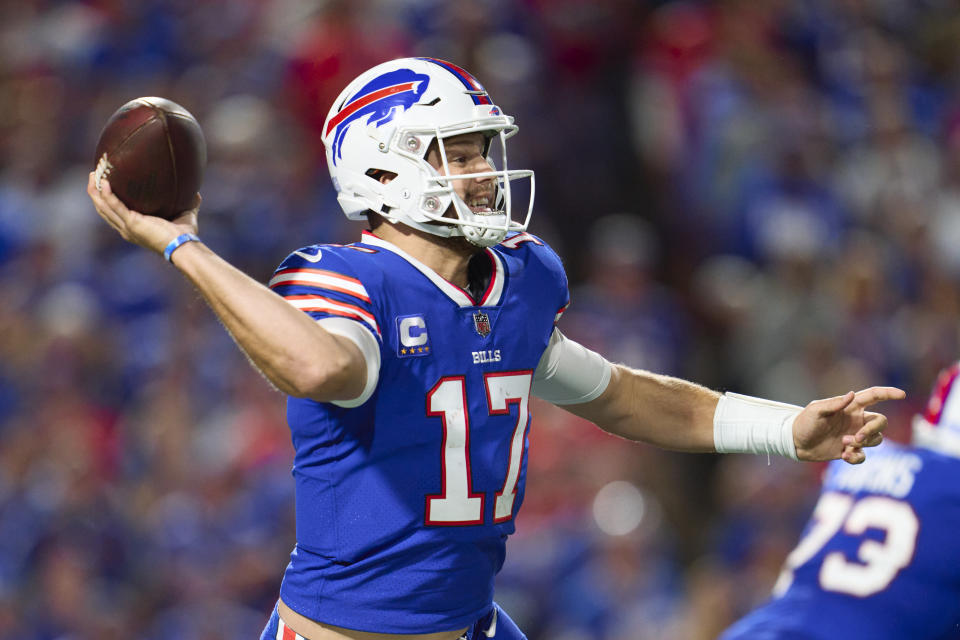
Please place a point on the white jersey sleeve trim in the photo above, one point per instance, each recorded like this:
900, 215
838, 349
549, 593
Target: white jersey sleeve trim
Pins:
369, 347
569, 373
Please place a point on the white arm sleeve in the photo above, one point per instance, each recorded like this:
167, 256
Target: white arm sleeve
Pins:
569, 373
369, 347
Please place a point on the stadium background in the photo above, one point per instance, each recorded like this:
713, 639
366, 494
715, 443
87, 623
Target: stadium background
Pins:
759, 195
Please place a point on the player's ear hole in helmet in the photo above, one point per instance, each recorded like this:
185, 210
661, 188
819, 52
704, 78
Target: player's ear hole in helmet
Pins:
381, 128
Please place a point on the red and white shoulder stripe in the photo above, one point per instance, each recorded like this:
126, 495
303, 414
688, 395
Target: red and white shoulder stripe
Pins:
320, 279
334, 307
515, 241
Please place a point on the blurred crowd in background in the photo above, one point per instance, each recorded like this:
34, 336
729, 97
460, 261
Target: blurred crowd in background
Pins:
758, 195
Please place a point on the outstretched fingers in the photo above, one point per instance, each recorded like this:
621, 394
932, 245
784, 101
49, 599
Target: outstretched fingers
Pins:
830, 406
873, 395
104, 210
870, 433
115, 203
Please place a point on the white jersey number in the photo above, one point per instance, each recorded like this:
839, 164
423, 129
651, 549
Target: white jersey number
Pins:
457, 504
876, 564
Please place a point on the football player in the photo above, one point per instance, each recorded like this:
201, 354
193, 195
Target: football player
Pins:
880, 557
410, 357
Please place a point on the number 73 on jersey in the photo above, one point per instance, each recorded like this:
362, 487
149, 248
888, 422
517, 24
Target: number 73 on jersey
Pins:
457, 503
876, 562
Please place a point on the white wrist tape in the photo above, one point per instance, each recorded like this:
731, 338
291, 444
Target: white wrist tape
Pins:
743, 424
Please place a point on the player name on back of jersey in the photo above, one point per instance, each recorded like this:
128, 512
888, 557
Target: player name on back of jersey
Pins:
891, 474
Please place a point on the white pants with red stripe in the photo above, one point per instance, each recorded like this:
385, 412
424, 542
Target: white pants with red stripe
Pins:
277, 630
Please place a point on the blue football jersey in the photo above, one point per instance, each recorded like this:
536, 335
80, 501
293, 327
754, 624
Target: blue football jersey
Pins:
879, 559
404, 503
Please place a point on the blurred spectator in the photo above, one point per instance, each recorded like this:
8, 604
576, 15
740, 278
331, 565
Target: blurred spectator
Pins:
620, 309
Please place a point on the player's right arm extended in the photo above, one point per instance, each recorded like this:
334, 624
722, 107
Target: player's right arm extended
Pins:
292, 350
295, 353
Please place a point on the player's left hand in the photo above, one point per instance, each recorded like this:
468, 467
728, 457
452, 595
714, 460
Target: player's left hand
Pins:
840, 427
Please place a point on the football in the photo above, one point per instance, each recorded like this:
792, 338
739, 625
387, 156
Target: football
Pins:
153, 153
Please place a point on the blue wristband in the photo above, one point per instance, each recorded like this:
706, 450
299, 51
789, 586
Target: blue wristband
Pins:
182, 239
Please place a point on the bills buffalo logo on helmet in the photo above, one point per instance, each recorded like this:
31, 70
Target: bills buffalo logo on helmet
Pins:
381, 100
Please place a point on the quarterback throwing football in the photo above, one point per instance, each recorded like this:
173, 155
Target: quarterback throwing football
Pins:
410, 357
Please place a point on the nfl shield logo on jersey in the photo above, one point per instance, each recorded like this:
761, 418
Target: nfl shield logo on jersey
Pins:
481, 322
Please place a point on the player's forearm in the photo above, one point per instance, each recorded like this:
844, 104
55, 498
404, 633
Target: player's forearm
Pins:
657, 409
298, 356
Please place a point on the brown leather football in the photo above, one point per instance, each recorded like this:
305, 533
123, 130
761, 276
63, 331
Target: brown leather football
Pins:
153, 153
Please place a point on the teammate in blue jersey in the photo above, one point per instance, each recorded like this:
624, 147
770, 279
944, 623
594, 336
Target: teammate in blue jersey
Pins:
410, 357
880, 557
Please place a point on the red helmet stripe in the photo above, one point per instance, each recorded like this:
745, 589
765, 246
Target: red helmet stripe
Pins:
463, 76
364, 101
938, 398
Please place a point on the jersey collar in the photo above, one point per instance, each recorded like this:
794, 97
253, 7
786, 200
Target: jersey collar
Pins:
491, 297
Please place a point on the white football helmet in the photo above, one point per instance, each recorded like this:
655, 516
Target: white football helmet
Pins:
387, 118
938, 427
